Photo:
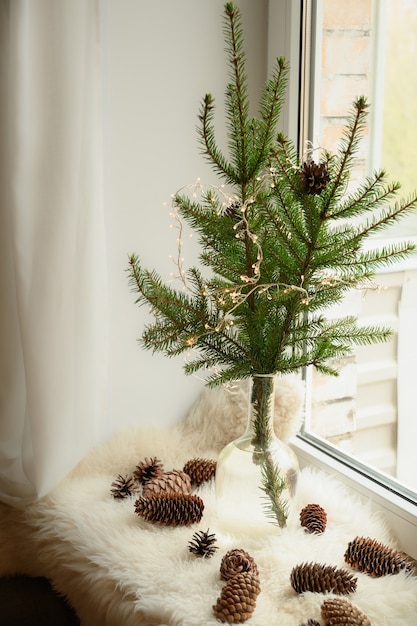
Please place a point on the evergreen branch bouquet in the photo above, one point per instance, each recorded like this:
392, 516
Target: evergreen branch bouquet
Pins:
282, 240
285, 243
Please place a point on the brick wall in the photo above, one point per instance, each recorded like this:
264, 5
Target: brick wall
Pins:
346, 68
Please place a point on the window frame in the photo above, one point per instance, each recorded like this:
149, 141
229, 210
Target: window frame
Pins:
291, 34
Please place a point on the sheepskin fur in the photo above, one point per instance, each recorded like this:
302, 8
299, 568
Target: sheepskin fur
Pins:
118, 570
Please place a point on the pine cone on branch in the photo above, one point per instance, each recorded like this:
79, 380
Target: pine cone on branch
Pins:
237, 561
313, 518
340, 612
171, 509
376, 559
200, 470
174, 481
203, 544
321, 578
238, 598
123, 487
148, 469
314, 177
234, 211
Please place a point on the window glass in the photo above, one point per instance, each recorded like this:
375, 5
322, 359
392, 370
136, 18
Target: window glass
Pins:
365, 47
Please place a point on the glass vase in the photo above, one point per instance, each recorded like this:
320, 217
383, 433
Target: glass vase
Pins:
257, 473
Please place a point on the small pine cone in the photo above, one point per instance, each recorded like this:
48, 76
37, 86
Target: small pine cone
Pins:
237, 561
123, 487
314, 177
322, 578
171, 509
203, 544
175, 481
237, 601
200, 470
340, 612
313, 518
148, 469
233, 211
310, 622
376, 559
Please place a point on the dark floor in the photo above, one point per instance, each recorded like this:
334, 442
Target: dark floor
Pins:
28, 601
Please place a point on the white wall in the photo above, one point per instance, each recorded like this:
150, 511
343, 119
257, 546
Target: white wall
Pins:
159, 59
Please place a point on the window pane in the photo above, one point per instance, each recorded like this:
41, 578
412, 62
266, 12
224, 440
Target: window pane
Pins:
369, 48
399, 138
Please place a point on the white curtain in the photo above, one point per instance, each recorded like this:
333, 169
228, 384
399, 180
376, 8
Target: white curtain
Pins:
53, 282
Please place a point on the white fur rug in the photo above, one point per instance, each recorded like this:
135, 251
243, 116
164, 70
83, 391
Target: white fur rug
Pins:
118, 570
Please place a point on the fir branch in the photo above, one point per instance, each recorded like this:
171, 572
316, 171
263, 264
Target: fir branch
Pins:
270, 109
367, 197
283, 230
299, 209
388, 217
371, 260
210, 148
349, 146
341, 330
274, 485
171, 303
237, 104
261, 398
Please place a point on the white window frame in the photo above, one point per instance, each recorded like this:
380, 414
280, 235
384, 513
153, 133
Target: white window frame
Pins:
289, 21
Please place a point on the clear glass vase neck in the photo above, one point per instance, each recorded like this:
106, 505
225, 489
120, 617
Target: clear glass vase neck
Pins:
261, 401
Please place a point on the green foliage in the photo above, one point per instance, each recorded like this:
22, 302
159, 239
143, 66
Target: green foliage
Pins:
274, 485
279, 252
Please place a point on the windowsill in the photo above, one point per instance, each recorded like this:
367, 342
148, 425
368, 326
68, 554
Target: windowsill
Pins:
399, 513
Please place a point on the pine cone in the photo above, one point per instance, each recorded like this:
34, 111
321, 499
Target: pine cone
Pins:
314, 177
233, 211
200, 470
321, 578
311, 622
313, 518
238, 598
175, 481
237, 561
171, 509
148, 469
376, 559
202, 544
123, 487
340, 612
